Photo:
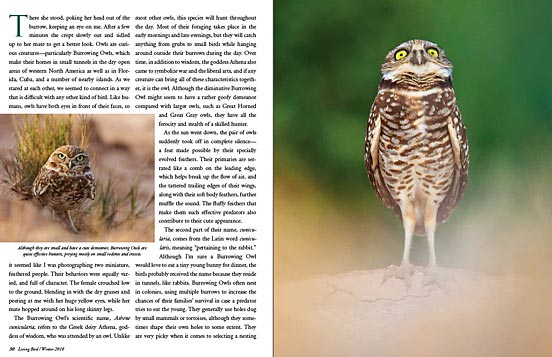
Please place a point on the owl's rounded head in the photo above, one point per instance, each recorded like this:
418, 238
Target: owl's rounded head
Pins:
416, 58
68, 157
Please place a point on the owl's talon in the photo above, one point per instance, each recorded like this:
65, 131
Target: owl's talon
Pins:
403, 272
438, 276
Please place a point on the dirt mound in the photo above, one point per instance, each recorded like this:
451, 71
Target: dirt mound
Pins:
353, 314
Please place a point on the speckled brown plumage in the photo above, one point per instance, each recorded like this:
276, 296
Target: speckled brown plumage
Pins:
65, 182
416, 150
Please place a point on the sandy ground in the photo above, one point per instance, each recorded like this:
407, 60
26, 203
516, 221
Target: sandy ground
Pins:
353, 314
122, 147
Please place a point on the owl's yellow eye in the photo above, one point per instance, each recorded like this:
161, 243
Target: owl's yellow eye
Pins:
433, 52
61, 156
80, 158
400, 54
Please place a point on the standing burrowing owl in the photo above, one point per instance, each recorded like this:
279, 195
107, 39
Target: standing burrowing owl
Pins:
65, 182
416, 150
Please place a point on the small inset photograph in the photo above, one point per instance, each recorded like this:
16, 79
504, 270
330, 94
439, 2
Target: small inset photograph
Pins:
77, 178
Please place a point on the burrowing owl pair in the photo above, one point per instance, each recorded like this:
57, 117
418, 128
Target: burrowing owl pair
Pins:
416, 150
65, 182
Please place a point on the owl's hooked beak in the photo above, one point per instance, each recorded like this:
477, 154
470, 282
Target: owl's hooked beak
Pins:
417, 57
69, 164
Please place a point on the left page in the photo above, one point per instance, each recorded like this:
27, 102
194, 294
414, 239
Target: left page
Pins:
136, 178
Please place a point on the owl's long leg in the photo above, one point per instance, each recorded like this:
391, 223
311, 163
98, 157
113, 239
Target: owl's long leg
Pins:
70, 221
409, 224
430, 222
434, 274
405, 270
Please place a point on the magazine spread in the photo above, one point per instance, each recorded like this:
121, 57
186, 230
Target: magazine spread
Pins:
291, 178
137, 178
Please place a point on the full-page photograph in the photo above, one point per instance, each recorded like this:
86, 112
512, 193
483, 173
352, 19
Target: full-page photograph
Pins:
412, 170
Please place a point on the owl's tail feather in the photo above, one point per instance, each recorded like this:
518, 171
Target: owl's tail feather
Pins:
420, 230
419, 208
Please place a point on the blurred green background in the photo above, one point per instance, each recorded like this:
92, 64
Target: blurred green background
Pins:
327, 58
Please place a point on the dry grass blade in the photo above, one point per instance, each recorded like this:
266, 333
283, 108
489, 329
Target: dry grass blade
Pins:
82, 135
136, 209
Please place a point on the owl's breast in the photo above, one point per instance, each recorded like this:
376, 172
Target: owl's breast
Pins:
67, 192
415, 152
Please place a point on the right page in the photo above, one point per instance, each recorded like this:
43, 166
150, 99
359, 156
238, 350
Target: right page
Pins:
412, 172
